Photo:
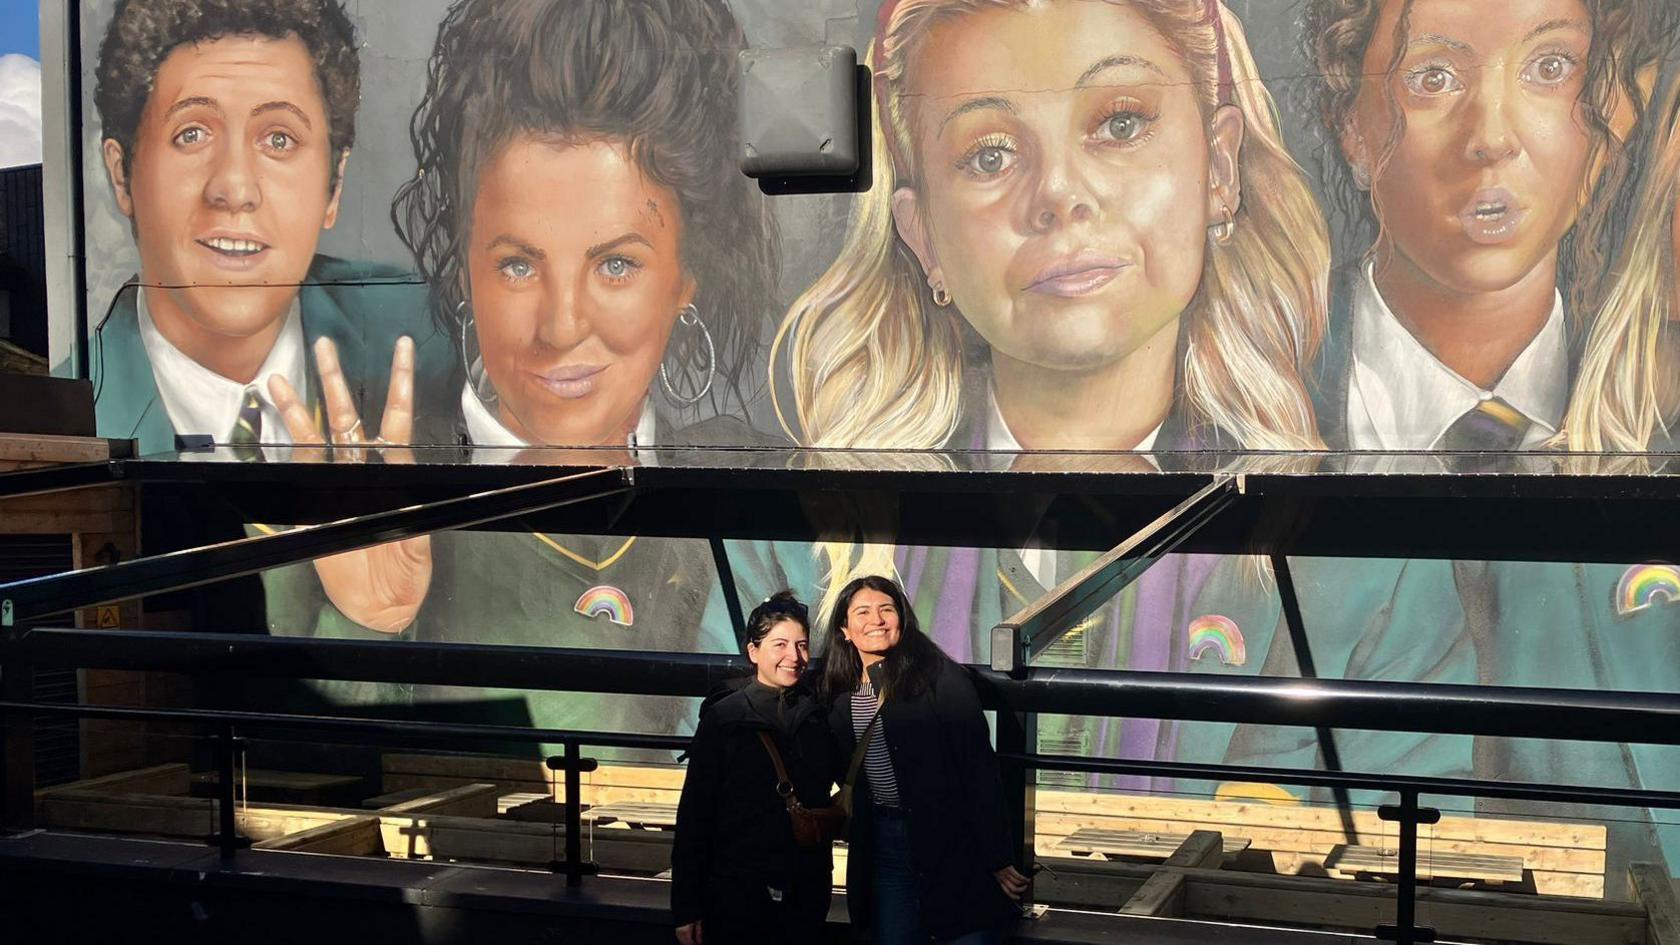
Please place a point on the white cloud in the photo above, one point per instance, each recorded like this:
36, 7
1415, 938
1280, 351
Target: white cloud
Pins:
20, 110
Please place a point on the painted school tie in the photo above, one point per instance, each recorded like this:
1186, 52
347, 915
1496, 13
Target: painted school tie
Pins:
247, 430
1492, 426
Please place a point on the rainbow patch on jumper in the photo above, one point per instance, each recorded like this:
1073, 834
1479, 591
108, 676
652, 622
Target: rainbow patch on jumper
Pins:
1645, 585
609, 600
1217, 636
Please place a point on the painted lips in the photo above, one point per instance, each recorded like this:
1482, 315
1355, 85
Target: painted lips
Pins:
233, 252
1078, 275
571, 381
1492, 216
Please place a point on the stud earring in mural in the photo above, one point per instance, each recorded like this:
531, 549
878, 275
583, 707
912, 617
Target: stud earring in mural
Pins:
1226, 228
941, 297
472, 359
1361, 177
690, 318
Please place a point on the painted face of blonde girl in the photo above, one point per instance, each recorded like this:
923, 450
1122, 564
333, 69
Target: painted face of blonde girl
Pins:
1069, 223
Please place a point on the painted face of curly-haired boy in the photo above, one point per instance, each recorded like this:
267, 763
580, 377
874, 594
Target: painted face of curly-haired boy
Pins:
231, 181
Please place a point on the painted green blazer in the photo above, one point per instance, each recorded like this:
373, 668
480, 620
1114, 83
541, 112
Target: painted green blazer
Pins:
1598, 627
362, 307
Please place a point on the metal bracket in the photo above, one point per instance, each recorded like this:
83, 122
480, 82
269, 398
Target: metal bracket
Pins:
1021, 638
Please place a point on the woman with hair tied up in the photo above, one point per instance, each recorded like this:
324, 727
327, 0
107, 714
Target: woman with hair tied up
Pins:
929, 857
738, 872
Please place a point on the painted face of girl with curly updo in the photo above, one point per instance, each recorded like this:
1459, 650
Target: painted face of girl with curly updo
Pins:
1471, 140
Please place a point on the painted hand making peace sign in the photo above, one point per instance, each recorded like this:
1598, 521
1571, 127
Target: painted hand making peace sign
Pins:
380, 587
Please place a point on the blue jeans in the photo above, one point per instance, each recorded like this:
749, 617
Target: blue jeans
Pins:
898, 910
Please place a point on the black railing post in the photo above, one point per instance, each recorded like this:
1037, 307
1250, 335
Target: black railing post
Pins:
574, 815
228, 749
1408, 815
574, 765
1017, 736
17, 754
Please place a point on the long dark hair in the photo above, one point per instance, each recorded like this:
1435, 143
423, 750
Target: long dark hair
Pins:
911, 668
659, 76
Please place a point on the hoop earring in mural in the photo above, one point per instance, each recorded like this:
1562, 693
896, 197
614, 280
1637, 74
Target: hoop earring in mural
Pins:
941, 297
689, 317
1226, 228
472, 360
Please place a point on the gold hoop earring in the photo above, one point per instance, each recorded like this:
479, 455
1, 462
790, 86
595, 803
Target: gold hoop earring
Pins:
1226, 228
941, 297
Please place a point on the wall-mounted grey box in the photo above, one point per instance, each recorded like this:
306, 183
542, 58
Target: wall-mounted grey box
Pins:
799, 111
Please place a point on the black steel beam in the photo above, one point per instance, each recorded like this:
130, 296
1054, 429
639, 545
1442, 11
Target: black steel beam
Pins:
731, 594
1514, 712
1016, 642
28, 600
58, 478
1357, 781
396, 661
1436, 708
353, 730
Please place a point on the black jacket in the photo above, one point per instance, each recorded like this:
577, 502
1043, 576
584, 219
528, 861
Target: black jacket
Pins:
952, 798
734, 838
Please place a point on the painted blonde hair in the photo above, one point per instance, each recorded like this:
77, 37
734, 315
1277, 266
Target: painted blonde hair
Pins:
875, 364
1616, 404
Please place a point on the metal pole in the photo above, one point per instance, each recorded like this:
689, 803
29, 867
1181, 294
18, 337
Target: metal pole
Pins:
574, 815
17, 756
1017, 734
1309, 670
731, 594
1405, 930
227, 836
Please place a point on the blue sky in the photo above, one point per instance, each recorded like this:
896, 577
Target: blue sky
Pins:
20, 29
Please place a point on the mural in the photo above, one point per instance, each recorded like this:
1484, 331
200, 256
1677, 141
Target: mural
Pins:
1123, 225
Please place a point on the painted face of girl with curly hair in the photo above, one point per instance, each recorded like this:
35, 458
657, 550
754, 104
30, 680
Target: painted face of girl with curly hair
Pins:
577, 282
1490, 152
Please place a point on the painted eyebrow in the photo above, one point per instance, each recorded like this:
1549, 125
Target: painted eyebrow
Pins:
975, 105
613, 244
1115, 62
1436, 39
194, 102
1562, 23
283, 106
517, 245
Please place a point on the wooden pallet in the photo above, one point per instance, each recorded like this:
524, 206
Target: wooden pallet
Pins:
1136, 844
1453, 868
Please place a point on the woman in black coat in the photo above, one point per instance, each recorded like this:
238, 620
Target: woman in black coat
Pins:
737, 874
930, 855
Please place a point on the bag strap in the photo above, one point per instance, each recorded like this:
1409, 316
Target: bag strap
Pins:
863, 746
784, 787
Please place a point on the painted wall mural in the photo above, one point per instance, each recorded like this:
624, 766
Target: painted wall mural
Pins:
1151, 225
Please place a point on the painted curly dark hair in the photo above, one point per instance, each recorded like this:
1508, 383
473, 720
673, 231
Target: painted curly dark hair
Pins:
657, 75
1338, 33
143, 33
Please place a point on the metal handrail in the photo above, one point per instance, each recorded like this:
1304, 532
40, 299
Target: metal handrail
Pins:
1436, 708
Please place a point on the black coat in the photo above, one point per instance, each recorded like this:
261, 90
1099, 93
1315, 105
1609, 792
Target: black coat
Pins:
734, 838
951, 794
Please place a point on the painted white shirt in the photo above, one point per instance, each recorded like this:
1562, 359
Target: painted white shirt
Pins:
199, 400
1039, 560
1401, 397
485, 429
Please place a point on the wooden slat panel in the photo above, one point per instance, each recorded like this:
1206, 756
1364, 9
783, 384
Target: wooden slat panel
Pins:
1455, 914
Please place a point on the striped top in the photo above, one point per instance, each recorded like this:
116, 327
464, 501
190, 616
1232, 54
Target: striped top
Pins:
877, 761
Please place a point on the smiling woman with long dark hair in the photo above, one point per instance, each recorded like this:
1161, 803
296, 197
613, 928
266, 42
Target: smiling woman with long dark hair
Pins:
930, 852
